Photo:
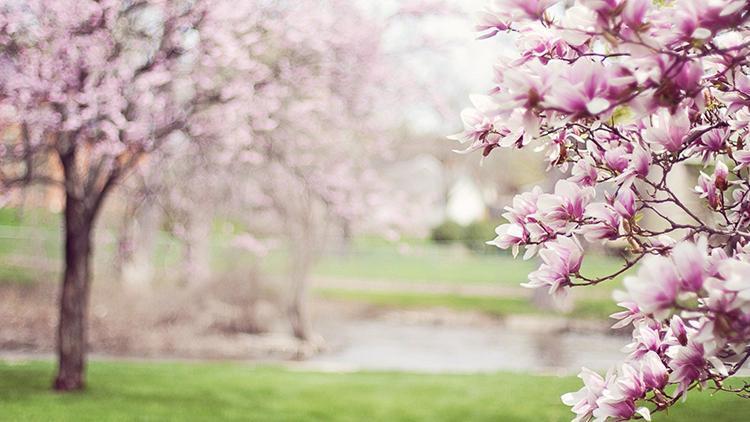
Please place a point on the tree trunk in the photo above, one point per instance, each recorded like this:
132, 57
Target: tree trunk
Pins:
197, 249
137, 263
298, 312
74, 298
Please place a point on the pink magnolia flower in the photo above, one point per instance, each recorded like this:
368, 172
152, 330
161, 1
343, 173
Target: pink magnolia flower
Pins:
542, 43
712, 143
491, 23
560, 258
567, 204
688, 363
584, 90
667, 131
525, 85
617, 401
646, 338
624, 203
678, 329
737, 277
640, 161
617, 159
478, 122
606, 225
524, 205
631, 314
720, 176
602, 6
689, 262
509, 235
707, 189
653, 371
521, 226
656, 285
583, 173
635, 12
584, 401
530, 9
742, 157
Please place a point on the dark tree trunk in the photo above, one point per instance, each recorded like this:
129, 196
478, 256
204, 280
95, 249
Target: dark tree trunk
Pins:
74, 297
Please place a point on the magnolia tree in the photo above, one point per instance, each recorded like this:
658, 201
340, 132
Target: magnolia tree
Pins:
620, 94
283, 134
89, 87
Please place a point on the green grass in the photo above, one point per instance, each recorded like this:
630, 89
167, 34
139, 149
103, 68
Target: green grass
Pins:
201, 392
432, 263
497, 306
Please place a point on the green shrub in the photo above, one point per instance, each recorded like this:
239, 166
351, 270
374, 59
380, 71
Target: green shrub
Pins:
447, 232
476, 234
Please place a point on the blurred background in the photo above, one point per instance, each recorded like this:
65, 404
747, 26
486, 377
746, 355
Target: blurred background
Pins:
343, 235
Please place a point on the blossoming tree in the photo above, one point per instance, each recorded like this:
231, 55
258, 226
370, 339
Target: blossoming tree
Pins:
620, 94
89, 85
284, 137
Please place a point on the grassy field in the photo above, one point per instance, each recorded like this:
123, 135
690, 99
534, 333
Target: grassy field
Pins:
30, 251
497, 306
440, 264
202, 392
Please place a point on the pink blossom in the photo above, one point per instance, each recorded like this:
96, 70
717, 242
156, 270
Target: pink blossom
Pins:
646, 338
687, 363
631, 313
617, 402
654, 372
712, 143
491, 23
668, 131
624, 203
635, 12
742, 157
584, 173
568, 203
509, 235
689, 262
606, 223
640, 161
524, 205
720, 176
477, 124
584, 401
617, 159
678, 329
737, 275
622, 95
707, 189
532, 9
655, 287
560, 258
584, 90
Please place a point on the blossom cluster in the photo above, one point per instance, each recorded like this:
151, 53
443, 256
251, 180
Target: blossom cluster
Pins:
622, 95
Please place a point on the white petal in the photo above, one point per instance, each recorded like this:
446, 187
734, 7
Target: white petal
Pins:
643, 411
597, 105
701, 34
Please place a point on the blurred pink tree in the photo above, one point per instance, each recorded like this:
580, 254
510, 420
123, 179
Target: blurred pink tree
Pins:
285, 130
89, 85
621, 94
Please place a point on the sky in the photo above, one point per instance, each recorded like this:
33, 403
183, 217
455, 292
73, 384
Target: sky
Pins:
454, 61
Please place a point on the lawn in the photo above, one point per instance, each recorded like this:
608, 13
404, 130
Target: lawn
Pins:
492, 305
180, 391
434, 263
37, 233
